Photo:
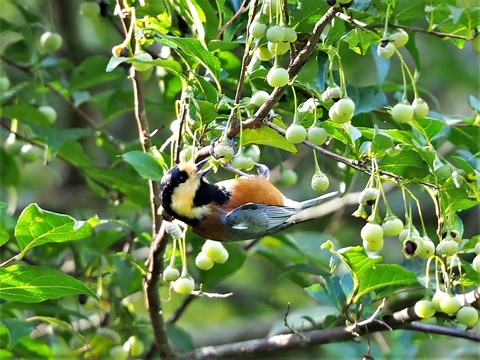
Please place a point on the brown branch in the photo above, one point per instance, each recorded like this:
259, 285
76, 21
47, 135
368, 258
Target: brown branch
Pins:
401, 320
293, 69
227, 24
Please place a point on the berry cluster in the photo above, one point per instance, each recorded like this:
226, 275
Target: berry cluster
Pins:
212, 252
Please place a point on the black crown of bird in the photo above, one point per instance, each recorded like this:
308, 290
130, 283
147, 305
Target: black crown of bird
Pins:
242, 208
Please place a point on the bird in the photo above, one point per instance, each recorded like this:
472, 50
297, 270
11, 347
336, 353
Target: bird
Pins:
242, 208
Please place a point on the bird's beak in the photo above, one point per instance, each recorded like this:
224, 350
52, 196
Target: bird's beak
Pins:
199, 166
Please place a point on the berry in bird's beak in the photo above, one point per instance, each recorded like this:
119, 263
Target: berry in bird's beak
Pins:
199, 167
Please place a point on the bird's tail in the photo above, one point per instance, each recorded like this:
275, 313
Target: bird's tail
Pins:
315, 201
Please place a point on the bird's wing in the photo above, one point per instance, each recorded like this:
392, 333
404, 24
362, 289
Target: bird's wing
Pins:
255, 220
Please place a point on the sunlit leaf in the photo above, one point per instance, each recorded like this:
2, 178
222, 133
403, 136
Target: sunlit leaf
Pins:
33, 284
36, 227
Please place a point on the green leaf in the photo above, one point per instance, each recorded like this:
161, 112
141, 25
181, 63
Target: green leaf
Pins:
17, 329
330, 294
381, 142
194, 48
145, 164
357, 260
36, 227
33, 284
182, 339
56, 138
25, 113
382, 276
9, 171
431, 127
408, 164
265, 135
91, 72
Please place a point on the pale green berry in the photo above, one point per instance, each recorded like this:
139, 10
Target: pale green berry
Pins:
296, 133
368, 196
263, 53
392, 226
424, 309
50, 41
90, 9
467, 315
278, 77
319, 182
427, 249
399, 38
259, 98
275, 34
278, 48
373, 246
420, 108
402, 113
258, 29
372, 232
288, 177
447, 247
184, 285
143, 65
134, 346
317, 135
290, 35
171, 274
476, 263
203, 261
450, 304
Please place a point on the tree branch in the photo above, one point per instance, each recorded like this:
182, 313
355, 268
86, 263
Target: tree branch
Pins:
404, 319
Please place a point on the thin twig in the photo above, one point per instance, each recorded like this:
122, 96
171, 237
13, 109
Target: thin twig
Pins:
227, 24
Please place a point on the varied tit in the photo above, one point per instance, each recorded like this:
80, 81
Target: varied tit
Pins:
247, 207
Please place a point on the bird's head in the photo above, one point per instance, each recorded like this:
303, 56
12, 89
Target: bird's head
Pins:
179, 188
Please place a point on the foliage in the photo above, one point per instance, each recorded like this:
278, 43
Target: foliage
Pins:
90, 123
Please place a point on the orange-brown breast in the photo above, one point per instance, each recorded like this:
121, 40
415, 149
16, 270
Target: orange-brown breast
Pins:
252, 189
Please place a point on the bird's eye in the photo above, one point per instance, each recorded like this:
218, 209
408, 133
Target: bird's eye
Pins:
182, 177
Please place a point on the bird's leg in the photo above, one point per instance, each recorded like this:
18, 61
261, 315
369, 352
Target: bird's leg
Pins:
263, 170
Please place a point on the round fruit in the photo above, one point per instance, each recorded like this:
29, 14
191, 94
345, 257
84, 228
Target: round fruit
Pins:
141, 66
212, 249
467, 315
427, 249
134, 346
224, 151
259, 98
29, 153
183, 285
319, 182
12, 145
4, 83
50, 41
368, 196
49, 112
373, 246
278, 77
278, 48
288, 177
372, 232
187, 153
257, 29
420, 108
402, 113
90, 9
436, 298
290, 35
476, 263
447, 247
242, 162
317, 135
222, 257
203, 261
424, 309
170, 273
118, 353
342, 111
392, 226
450, 304
386, 49
295, 133
399, 38
275, 34
263, 53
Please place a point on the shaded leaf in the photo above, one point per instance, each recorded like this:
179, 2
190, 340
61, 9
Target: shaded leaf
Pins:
265, 135
17, 329
145, 164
